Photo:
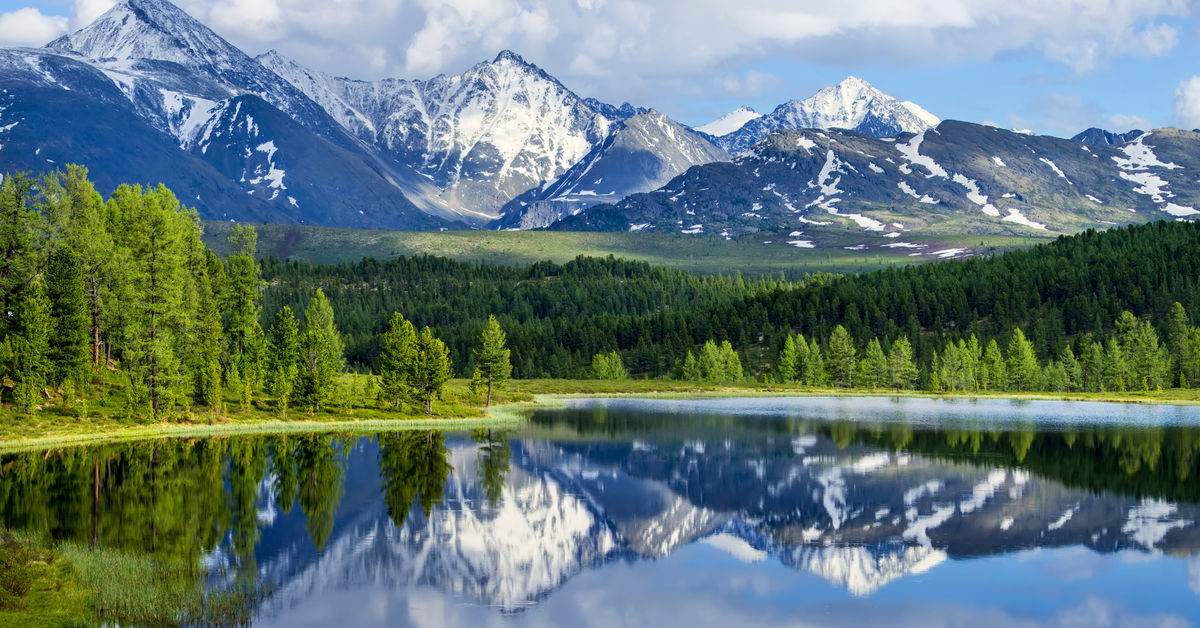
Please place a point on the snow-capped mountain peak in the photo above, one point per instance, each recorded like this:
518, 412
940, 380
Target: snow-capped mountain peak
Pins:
852, 104
729, 122
150, 29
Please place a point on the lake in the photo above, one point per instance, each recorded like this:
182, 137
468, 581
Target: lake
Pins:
709, 512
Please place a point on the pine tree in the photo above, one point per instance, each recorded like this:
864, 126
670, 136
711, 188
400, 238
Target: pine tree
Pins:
902, 370
17, 250
32, 346
246, 337
68, 309
153, 228
317, 370
1022, 363
318, 316
209, 340
993, 368
493, 364
397, 359
1072, 371
433, 368
788, 360
873, 370
842, 358
283, 358
1114, 369
1177, 334
814, 365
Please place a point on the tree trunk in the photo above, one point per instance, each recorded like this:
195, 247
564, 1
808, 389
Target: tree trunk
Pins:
489, 395
429, 404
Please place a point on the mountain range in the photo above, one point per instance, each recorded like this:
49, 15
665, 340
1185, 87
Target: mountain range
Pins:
857, 517
148, 94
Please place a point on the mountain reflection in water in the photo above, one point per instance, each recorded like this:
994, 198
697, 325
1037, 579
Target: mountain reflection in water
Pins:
650, 505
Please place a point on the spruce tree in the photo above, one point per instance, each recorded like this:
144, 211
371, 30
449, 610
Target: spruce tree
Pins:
317, 370
397, 359
283, 358
17, 244
873, 370
1022, 363
319, 316
493, 364
433, 368
1072, 371
788, 360
842, 359
814, 365
902, 370
32, 346
68, 309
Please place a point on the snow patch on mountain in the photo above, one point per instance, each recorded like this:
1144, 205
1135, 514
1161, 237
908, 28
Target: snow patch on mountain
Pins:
729, 122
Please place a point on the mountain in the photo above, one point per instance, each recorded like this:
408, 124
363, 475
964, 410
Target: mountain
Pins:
1100, 136
729, 122
852, 104
856, 516
641, 154
481, 138
841, 188
148, 94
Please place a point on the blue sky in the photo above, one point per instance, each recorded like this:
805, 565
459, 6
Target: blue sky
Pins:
1055, 66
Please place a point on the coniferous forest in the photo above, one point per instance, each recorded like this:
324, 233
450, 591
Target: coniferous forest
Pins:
121, 298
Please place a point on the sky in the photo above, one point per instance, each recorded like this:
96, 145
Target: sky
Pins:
1053, 66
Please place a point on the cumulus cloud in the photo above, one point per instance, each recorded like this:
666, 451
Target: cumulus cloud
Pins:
1187, 103
83, 12
639, 50
29, 27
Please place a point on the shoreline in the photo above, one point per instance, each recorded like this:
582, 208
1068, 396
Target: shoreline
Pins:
513, 413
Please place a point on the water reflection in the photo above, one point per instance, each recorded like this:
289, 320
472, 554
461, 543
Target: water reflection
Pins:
591, 499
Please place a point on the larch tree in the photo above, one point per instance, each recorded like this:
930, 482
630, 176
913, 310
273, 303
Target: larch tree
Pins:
68, 309
493, 360
433, 368
31, 349
1022, 363
873, 370
283, 358
397, 359
901, 368
842, 358
789, 358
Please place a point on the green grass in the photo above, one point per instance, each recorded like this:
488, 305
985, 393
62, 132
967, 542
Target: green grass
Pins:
703, 255
135, 589
54, 595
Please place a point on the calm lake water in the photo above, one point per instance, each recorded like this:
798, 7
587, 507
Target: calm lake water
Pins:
764, 512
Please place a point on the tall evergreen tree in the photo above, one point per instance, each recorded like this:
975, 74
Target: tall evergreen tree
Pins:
318, 316
283, 358
17, 241
842, 359
433, 368
873, 370
32, 347
789, 357
493, 364
1023, 371
902, 369
68, 308
398, 359
317, 370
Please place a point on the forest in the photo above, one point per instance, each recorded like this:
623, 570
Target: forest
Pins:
121, 299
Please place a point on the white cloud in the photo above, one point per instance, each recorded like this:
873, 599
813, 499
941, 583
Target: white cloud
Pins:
29, 27
1187, 103
646, 51
83, 12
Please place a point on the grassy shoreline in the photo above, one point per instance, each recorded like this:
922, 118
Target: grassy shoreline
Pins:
521, 397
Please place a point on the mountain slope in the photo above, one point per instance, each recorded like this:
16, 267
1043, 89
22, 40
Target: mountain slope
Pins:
1105, 138
958, 178
641, 154
852, 104
155, 96
729, 122
481, 137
